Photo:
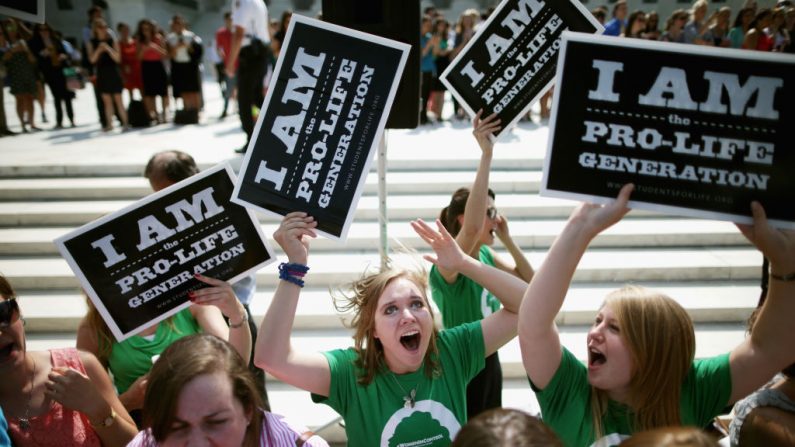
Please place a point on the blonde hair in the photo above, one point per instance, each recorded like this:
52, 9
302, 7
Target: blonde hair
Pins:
657, 331
361, 298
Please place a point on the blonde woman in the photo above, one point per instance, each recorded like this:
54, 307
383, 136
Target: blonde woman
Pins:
641, 373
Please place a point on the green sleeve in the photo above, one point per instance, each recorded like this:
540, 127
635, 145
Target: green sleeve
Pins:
441, 290
343, 379
464, 344
564, 401
706, 390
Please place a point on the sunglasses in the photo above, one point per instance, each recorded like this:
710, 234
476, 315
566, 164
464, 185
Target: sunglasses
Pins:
9, 313
491, 213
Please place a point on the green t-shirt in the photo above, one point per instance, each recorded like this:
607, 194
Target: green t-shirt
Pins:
375, 414
132, 358
565, 404
464, 300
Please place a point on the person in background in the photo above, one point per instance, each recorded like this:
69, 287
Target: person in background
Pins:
201, 393
248, 59
152, 53
741, 23
281, 32
600, 14
777, 30
718, 32
21, 74
505, 427
94, 13
694, 29
106, 57
636, 25
130, 64
427, 65
60, 397
441, 54
223, 44
184, 48
464, 31
52, 58
617, 24
671, 437
652, 31
674, 27
756, 38
4, 47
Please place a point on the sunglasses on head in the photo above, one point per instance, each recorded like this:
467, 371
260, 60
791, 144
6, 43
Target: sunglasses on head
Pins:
491, 212
9, 313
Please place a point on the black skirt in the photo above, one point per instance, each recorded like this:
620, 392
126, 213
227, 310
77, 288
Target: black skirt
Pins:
155, 78
109, 79
184, 78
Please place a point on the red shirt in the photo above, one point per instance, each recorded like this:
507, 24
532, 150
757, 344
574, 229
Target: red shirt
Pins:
223, 40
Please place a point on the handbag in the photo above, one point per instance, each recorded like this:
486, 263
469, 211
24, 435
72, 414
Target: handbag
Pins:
74, 79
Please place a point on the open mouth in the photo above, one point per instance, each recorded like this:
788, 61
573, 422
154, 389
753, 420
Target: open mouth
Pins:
596, 358
410, 340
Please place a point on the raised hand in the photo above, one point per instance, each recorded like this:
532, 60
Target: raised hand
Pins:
449, 255
776, 244
133, 398
293, 235
220, 294
483, 130
502, 228
595, 218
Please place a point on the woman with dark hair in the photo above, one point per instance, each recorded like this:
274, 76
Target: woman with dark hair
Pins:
403, 382
652, 31
441, 53
674, 27
151, 53
473, 220
52, 58
60, 397
106, 57
636, 25
21, 73
741, 22
641, 372
202, 393
756, 38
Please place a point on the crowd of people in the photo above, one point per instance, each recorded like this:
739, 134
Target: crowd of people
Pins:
750, 27
411, 377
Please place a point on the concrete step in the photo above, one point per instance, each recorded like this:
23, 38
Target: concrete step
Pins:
607, 265
399, 207
711, 339
706, 302
131, 188
528, 234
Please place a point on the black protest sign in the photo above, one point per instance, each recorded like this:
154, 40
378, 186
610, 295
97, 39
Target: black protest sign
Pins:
511, 60
137, 264
321, 123
28, 10
700, 131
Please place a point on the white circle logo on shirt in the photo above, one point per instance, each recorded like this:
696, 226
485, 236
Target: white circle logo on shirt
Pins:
486, 301
428, 424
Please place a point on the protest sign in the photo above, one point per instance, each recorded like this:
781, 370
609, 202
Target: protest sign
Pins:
321, 123
137, 264
700, 131
28, 10
510, 62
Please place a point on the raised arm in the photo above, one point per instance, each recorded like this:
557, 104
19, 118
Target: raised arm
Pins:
521, 267
538, 334
274, 352
475, 210
221, 295
769, 348
499, 327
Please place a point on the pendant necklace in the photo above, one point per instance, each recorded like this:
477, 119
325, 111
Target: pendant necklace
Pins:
24, 422
408, 398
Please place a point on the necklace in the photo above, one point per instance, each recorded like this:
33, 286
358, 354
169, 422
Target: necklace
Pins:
24, 422
408, 398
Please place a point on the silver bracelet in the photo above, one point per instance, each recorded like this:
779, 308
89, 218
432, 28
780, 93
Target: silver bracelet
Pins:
243, 321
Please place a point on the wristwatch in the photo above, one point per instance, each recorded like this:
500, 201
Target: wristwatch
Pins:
243, 320
107, 422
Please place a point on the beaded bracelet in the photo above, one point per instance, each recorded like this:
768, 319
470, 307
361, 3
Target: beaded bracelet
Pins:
293, 272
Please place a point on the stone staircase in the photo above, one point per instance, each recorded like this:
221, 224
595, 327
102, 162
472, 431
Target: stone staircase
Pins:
51, 183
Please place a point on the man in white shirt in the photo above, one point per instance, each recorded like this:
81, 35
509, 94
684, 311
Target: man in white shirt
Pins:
251, 52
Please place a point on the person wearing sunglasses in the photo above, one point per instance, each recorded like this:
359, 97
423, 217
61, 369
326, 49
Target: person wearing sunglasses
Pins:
472, 218
60, 397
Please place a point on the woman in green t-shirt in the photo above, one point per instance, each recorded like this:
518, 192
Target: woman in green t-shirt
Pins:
472, 218
641, 372
403, 382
